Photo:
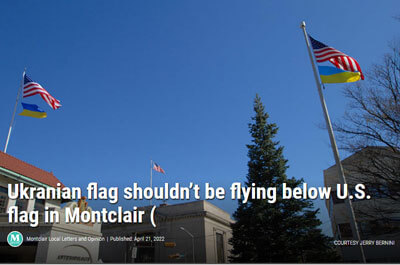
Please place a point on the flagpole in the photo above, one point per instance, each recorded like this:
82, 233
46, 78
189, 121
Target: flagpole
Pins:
15, 110
342, 177
151, 177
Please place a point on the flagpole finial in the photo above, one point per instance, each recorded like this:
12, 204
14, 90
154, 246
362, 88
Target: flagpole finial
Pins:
303, 24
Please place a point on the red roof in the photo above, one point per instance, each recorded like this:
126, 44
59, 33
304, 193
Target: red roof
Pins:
18, 166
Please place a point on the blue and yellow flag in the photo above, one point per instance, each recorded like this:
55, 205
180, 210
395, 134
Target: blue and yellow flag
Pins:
32, 110
331, 75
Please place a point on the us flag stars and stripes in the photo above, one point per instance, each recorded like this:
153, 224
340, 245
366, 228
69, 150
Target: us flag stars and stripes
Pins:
342, 61
32, 88
157, 168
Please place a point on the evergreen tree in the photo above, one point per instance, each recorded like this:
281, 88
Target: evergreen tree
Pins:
284, 231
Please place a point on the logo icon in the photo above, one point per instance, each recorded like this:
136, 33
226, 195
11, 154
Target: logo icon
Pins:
15, 239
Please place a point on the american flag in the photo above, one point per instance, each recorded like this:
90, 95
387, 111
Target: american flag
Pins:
157, 168
342, 61
32, 88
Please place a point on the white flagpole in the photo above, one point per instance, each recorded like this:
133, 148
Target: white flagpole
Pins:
15, 110
151, 176
342, 177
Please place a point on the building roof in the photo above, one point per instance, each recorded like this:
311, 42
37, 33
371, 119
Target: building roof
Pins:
350, 158
18, 166
179, 211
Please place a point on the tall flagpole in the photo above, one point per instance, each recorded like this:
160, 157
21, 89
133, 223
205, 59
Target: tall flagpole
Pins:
339, 166
15, 110
151, 176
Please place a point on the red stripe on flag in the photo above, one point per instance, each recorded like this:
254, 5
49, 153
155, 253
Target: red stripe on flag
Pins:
323, 53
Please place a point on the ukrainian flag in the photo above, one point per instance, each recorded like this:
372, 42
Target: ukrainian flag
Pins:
331, 74
32, 110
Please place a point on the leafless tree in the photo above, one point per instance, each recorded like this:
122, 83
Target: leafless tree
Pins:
370, 128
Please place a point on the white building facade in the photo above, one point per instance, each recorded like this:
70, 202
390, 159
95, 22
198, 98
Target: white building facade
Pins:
378, 218
194, 232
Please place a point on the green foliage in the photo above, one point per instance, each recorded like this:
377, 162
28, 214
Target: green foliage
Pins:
287, 230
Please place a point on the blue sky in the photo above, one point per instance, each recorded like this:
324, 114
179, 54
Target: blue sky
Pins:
174, 81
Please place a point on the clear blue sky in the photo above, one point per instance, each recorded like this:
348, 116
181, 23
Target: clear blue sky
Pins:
174, 81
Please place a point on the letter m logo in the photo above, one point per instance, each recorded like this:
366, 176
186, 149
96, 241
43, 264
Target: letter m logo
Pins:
15, 239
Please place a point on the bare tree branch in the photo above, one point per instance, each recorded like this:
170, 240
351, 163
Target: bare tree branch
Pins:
371, 128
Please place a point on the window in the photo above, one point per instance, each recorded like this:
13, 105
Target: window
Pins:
22, 204
345, 231
39, 205
145, 249
379, 226
378, 191
3, 199
394, 189
220, 248
364, 228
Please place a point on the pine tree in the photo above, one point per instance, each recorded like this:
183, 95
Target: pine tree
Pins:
284, 231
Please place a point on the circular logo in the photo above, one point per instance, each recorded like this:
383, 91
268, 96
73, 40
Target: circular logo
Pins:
15, 239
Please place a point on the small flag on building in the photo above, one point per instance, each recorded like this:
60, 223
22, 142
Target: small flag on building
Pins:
342, 61
32, 110
32, 88
157, 168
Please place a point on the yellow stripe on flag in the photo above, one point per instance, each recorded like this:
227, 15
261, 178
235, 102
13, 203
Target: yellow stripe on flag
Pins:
33, 114
345, 77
